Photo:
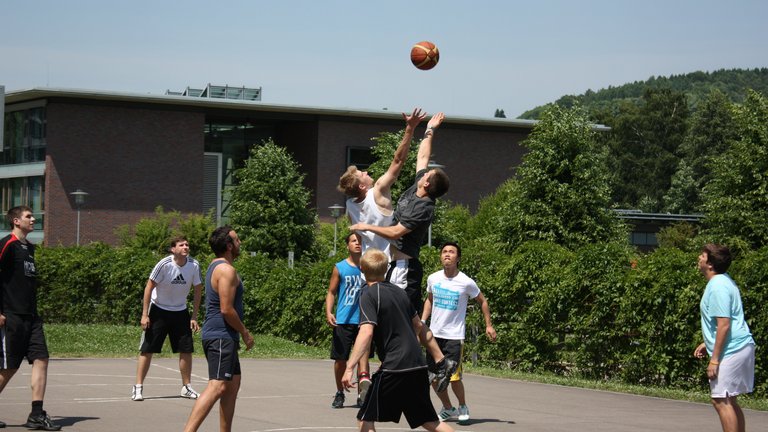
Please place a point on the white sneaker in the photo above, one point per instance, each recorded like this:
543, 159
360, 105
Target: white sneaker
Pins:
446, 414
188, 392
463, 414
136, 393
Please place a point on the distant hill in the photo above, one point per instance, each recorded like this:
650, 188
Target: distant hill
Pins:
695, 85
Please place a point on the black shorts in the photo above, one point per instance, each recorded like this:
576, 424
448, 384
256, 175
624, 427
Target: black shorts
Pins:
22, 336
344, 336
223, 360
414, 276
395, 393
452, 349
164, 323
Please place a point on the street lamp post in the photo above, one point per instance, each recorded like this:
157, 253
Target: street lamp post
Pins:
335, 214
79, 201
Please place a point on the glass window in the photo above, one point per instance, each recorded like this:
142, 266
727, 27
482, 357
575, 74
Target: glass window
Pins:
361, 157
28, 191
24, 137
234, 140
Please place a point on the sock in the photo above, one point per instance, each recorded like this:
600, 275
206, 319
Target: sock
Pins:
363, 375
37, 408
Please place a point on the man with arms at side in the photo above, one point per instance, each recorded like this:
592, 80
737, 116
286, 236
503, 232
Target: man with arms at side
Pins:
165, 313
21, 328
727, 339
400, 386
412, 217
345, 283
448, 292
221, 332
370, 202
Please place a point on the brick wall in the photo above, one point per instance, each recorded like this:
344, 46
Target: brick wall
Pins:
129, 159
476, 160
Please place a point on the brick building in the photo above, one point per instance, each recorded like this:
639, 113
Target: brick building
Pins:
134, 152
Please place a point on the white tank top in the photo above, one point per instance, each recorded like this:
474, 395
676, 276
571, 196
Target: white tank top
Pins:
368, 212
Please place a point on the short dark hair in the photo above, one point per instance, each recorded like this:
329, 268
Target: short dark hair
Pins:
458, 250
15, 213
220, 239
454, 244
348, 238
176, 240
718, 256
438, 183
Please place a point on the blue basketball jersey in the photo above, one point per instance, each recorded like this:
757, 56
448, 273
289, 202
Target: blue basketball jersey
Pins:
348, 305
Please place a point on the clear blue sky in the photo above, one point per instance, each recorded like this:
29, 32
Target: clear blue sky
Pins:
512, 54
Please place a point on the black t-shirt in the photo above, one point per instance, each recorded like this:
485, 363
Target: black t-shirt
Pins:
18, 277
414, 213
388, 308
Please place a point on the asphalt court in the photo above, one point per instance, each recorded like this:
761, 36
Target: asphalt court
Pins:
295, 395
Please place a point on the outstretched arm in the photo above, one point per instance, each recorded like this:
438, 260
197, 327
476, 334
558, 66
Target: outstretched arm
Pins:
392, 232
425, 148
385, 182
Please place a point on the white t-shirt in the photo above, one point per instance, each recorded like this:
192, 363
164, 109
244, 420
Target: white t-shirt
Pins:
173, 282
367, 211
449, 303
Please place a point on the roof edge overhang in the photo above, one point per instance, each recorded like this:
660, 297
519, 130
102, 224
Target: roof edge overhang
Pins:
26, 95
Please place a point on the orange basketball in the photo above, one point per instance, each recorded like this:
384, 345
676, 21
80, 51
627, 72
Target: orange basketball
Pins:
424, 55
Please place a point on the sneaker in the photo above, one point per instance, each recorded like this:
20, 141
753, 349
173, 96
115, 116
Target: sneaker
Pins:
2, 425
446, 414
136, 394
363, 385
41, 422
443, 373
188, 392
338, 400
463, 414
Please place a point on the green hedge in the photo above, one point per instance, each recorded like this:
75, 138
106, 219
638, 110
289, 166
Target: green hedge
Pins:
599, 312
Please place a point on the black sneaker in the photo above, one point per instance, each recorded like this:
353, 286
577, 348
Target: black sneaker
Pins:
443, 372
338, 400
41, 422
2, 425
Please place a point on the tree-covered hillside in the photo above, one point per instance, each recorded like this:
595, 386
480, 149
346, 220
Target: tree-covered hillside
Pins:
695, 85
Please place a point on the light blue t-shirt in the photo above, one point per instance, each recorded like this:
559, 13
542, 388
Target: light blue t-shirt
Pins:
348, 306
722, 299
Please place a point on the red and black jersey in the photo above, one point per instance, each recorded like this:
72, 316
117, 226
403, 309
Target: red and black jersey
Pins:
18, 276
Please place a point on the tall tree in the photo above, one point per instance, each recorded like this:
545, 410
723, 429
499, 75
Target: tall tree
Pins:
561, 193
270, 206
736, 198
645, 147
499, 113
711, 130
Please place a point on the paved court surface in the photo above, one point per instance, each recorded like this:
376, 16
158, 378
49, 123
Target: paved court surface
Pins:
295, 395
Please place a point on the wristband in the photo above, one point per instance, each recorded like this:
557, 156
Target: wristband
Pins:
714, 362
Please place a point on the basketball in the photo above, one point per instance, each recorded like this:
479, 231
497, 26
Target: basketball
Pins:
424, 55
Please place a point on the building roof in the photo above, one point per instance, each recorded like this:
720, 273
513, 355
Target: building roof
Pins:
36, 93
640, 216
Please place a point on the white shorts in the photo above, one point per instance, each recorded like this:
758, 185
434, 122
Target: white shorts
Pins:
399, 273
736, 374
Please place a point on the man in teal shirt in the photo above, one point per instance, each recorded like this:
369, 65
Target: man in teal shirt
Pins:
727, 339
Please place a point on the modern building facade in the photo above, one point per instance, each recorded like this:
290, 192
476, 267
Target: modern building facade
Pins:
133, 152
